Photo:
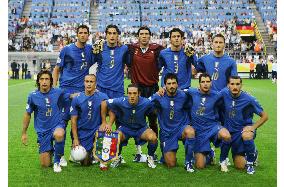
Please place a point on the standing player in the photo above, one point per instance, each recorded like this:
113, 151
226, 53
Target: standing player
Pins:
173, 109
130, 113
72, 66
46, 103
86, 117
239, 110
217, 64
145, 72
110, 77
176, 60
206, 104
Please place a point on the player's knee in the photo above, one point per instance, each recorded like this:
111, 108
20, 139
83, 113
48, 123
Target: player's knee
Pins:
226, 136
153, 137
200, 165
59, 134
239, 162
45, 163
171, 164
247, 135
189, 132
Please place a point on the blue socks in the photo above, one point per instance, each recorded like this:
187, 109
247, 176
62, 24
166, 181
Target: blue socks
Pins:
152, 148
225, 148
250, 150
188, 147
58, 150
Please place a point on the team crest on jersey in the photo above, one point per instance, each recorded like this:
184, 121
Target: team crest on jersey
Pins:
203, 99
27, 106
110, 100
106, 146
71, 109
216, 64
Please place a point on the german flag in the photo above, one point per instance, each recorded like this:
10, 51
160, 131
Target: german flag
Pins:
245, 30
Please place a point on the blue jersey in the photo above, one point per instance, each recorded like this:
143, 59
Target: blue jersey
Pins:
239, 111
172, 111
178, 63
111, 62
47, 109
219, 68
133, 117
205, 108
74, 63
88, 110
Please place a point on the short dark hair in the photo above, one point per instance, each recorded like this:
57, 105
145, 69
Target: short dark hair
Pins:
219, 36
42, 73
204, 75
170, 76
133, 85
144, 28
177, 30
112, 26
234, 77
82, 27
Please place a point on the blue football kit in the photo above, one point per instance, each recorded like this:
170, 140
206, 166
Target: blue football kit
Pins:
173, 119
131, 119
219, 68
74, 63
205, 118
178, 63
88, 110
239, 113
110, 72
47, 118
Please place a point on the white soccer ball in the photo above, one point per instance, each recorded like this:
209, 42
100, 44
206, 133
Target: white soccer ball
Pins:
78, 153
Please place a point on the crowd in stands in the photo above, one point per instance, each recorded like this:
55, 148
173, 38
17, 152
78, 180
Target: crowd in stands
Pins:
52, 35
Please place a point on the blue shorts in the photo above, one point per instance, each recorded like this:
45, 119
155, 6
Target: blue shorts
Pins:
67, 103
237, 144
134, 133
203, 139
45, 139
110, 93
88, 141
170, 141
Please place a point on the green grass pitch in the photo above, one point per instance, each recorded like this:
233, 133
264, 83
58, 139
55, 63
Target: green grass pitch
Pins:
24, 168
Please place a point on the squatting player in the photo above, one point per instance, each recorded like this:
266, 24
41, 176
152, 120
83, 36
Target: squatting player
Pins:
86, 117
239, 110
46, 103
205, 110
130, 113
173, 109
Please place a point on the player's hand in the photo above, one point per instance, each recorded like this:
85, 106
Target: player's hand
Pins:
161, 92
108, 128
75, 142
102, 127
74, 95
98, 46
25, 139
189, 50
248, 129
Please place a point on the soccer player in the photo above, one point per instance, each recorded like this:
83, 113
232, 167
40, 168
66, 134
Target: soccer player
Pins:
72, 66
173, 110
206, 106
239, 110
46, 103
175, 60
130, 113
86, 117
110, 77
217, 64
145, 70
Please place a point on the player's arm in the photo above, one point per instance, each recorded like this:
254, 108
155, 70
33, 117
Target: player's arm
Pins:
26, 122
55, 75
263, 118
105, 126
76, 141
